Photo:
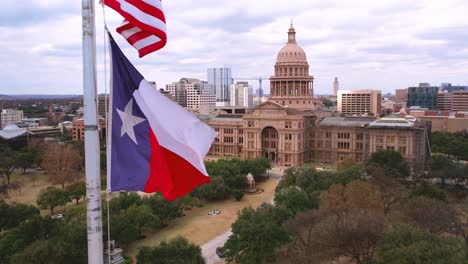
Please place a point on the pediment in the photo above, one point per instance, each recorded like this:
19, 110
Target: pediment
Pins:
269, 107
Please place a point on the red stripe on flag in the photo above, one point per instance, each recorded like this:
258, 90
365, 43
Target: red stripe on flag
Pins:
148, 9
170, 174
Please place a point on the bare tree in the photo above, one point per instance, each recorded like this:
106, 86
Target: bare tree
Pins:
352, 233
303, 249
391, 191
357, 195
431, 215
61, 162
7, 162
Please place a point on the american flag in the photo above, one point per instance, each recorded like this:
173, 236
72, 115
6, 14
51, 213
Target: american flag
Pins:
144, 26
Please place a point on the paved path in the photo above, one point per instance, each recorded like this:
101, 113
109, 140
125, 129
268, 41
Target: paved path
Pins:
209, 248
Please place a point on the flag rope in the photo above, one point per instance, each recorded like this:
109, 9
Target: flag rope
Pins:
106, 104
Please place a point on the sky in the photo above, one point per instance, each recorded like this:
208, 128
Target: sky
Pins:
367, 44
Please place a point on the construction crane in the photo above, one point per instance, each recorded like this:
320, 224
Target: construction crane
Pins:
259, 79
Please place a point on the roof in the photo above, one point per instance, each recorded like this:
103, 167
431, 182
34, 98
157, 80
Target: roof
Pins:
346, 121
12, 131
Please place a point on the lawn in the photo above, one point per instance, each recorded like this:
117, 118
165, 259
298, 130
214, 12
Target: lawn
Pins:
200, 228
29, 192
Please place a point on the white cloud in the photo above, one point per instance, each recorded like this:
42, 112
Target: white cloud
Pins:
384, 44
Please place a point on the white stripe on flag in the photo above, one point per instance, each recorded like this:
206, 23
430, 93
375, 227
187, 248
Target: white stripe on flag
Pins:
141, 16
154, 3
146, 42
129, 32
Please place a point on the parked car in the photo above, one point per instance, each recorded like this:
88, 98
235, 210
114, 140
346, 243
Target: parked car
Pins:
57, 216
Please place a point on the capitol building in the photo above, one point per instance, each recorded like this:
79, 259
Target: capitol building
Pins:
289, 131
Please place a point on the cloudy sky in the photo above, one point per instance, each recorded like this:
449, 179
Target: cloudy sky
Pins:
367, 44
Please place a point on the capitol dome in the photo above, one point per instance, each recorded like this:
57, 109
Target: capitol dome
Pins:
291, 53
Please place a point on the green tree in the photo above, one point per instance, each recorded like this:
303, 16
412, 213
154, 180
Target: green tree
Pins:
52, 197
238, 194
177, 251
13, 215
25, 159
408, 245
18, 238
295, 200
76, 190
429, 191
393, 162
255, 237
124, 201
142, 217
215, 190
165, 210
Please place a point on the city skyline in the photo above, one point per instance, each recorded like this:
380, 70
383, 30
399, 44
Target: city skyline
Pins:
366, 45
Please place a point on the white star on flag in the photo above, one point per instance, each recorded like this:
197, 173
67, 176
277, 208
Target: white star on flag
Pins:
129, 121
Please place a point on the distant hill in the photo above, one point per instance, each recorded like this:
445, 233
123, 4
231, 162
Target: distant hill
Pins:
5, 97
41, 96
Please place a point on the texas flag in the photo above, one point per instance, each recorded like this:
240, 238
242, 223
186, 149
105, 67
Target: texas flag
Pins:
155, 144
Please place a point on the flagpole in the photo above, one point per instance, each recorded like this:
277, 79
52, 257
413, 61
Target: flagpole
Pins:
92, 157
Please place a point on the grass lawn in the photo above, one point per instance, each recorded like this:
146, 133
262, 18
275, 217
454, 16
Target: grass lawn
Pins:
200, 228
28, 193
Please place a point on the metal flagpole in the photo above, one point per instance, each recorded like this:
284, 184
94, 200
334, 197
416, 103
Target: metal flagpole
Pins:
92, 157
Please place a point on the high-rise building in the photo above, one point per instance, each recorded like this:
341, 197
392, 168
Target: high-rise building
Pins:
221, 80
103, 105
241, 95
401, 95
336, 86
292, 86
10, 116
359, 102
424, 96
444, 101
192, 93
460, 101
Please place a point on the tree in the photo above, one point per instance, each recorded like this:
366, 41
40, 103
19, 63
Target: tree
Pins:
356, 195
13, 215
350, 233
165, 210
25, 159
18, 238
295, 200
393, 163
238, 194
431, 215
177, 251
76, 190
391, 191
124, 201
429, 191
307, 178
215, 190
61, 163
255, 237
7, 162
302, 227
142, 217
408, 245
52, 197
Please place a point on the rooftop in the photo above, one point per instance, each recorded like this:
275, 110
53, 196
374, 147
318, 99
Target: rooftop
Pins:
346, 121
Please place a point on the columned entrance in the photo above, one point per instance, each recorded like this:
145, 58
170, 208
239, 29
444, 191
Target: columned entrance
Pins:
270, 144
